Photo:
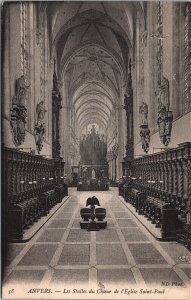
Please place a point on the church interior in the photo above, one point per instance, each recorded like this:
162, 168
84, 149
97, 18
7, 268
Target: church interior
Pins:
96, 101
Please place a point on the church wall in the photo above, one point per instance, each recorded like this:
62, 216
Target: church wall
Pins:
26, 53
181, 132
168, 48
11, 71
172, 69
37, 65
28, 144
136, 73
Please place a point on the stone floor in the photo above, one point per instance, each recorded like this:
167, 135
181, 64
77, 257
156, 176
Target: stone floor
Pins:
124, 254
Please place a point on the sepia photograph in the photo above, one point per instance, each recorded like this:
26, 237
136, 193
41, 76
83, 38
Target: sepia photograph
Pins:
96, 150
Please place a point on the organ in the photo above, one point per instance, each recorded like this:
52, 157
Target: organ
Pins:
93, 166
93, 148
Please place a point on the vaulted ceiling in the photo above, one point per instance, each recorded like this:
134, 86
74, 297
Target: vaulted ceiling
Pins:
92, 41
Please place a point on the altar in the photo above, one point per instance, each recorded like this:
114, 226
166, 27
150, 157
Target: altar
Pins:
93, 178
93, 184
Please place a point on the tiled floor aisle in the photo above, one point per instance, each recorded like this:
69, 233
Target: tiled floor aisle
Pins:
125, 252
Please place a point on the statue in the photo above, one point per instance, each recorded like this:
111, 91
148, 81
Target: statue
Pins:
18, 111
165, 116
93, 130
39, 127
168, 128
165, 124
161, 117
20, 97
143, 111
144, 129
40, 111
93, 174
39, 136
145, 138
18, 121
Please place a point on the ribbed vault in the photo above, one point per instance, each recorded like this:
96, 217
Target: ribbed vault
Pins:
92, 41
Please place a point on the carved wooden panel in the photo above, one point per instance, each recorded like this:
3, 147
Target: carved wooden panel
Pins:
25, 178
167, 174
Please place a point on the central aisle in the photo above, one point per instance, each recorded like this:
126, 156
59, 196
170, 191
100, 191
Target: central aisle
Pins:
124, 253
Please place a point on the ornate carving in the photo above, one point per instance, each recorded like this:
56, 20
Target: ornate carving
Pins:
40, 7
19, 111
144, 130
187, 58
18, 121
143, 111
40, 125
159, 42
56, 106
126, 102
145, 137
93, 148
20, 98
113, 152
128, 106
144, 38
129, 89
32, 185
129, 151
38, 36
40, 111
162, 92
55, 80
165, 116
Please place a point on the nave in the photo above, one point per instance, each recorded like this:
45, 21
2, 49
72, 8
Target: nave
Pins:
96, 95
125, 254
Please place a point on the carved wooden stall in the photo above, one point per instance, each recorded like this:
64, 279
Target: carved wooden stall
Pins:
32, 185
162, 181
